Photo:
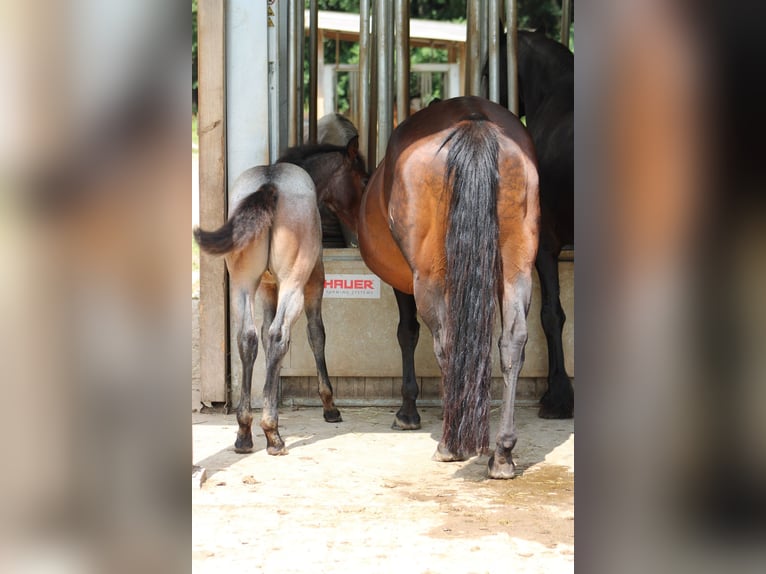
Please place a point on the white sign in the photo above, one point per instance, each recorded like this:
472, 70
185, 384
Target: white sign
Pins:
352, 286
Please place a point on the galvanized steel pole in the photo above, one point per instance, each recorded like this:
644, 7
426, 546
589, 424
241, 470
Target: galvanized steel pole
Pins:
402, 17
473, 49
511, 22
364, 77
296, 34
313, 69
385, 48
566, 18
494, 50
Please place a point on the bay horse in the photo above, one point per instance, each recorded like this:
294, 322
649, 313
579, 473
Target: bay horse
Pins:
335, 129
272, 243
450, 220
546, 98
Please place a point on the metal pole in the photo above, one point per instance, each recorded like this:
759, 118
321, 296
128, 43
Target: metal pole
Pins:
313, 69
364, 76
511, 19
296, 37
372, 142
473, 49
272, 39
494, 50
402, 17
300, 46
566, 18
385, 57
484, 36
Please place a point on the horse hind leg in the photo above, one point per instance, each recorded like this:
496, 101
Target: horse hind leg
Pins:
513, 340
316, 335
407, 417
247, 343
289, 307
558, 400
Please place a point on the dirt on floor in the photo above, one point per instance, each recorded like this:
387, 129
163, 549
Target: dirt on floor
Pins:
358, 496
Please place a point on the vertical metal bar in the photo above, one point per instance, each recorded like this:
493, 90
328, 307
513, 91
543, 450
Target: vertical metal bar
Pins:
285, 36
372, 152
364, 76
272, 38
402, 17
493, 25
473, 51
566, 18
511, 19
313, 69
484, 39
296, 40
300, 47
385, 57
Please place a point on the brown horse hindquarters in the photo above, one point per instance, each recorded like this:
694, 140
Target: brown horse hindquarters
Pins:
376, 244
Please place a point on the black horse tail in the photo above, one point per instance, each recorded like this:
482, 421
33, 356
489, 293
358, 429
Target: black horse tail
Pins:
472, 270
250, 219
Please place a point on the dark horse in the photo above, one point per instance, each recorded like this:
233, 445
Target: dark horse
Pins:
450, 221
272, 242
546, 97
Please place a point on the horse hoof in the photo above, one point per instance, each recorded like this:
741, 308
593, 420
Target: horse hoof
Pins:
552, 412
333, 416
501, 471
444, 455
244, 445
277, 450
404, 422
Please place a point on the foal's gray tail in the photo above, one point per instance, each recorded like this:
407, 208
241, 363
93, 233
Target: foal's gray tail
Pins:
252, 217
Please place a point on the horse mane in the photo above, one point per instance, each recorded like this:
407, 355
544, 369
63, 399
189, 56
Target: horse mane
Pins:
299, 155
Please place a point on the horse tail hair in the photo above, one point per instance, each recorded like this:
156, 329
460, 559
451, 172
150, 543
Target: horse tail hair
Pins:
472, 271
250, 219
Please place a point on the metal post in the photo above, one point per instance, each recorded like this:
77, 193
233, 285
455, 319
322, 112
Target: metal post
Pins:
511, 19
484, 39
294, 57
372, 142
473, 49
272, 38
402, 17
494, 50
385, 56
313, 69
364, 76
300, 46
566, 18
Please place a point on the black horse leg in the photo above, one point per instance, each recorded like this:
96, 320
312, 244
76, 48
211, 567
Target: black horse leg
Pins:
313, 297
513, 340
407, 418
558, 400
247, 342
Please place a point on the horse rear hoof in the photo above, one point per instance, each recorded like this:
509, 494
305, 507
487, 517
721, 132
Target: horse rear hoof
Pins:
333, 416
500, 471
406, 422
554, 412
444, 455
244, 445
277, 450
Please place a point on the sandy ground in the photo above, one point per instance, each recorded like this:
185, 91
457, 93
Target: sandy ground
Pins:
358, 496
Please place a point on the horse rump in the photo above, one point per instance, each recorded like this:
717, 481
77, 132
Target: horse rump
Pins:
250, 219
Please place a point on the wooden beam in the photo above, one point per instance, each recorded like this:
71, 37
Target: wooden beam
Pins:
213, 304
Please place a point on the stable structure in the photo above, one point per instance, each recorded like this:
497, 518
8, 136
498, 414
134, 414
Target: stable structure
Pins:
251, 108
